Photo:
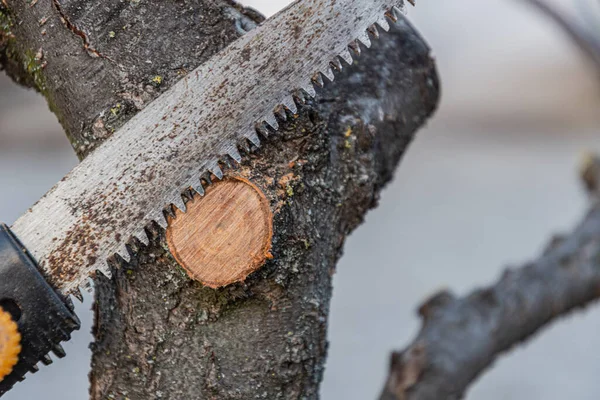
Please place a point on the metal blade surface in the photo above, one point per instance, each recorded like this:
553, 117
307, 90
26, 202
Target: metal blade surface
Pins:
163, 150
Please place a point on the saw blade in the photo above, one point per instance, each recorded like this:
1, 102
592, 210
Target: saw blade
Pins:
165, 149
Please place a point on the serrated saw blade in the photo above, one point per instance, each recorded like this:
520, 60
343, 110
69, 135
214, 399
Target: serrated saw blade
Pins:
126, 183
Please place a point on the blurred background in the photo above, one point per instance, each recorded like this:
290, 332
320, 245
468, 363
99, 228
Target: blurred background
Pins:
482, 188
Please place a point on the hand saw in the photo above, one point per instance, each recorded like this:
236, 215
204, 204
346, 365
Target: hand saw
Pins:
109, 198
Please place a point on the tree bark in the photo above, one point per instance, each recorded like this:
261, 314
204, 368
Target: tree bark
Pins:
98, 63
158, 333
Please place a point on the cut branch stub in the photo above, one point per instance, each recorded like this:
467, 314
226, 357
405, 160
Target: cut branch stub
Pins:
223, 236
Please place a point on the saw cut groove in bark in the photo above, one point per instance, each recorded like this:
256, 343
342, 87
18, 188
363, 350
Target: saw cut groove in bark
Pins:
225, 235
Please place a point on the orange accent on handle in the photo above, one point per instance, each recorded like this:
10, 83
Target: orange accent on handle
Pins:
10, 344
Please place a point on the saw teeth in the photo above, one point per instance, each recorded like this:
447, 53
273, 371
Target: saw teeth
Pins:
329, 74
253, 138
187, 194
198, 189
290, 104
384, 24
105, 270
297, 99
347, 57
179, 203
235, 154
272, 122
364, 39
160, 219
310, 90
216, 171
142, 236
123, 253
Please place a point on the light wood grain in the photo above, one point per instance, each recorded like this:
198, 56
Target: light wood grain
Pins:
225, 235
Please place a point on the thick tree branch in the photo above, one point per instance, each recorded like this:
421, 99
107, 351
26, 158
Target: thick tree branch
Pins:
158, 333
267, 336
461, 337
99, 63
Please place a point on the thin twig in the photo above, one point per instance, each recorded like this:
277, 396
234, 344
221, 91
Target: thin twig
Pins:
586, 41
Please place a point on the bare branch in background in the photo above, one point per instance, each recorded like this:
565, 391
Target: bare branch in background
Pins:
583, 38
461, 337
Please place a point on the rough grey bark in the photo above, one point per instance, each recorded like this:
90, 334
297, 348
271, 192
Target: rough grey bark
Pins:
122, 54
159, 334
461, 337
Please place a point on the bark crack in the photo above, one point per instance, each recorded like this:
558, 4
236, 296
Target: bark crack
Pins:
77, 31
159, 334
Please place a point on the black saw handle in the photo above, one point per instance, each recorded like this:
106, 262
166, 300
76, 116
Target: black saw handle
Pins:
44, 318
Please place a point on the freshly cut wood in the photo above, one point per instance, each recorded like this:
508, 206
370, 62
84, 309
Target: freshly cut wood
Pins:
225, 235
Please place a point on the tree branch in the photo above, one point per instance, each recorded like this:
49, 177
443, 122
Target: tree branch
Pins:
160, 334
461, 337
266, 337
99, 63
585, 41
